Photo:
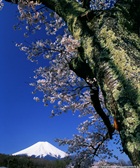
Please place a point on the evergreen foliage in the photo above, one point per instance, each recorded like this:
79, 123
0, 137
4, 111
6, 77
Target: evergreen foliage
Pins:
29, 162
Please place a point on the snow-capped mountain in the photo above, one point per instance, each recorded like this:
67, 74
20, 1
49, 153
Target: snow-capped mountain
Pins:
42, 150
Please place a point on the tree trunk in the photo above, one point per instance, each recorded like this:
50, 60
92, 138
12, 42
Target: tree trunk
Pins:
110, 47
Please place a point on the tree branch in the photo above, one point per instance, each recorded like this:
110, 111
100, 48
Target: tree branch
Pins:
94, 94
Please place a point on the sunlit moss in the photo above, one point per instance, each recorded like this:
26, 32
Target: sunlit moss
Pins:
130, 147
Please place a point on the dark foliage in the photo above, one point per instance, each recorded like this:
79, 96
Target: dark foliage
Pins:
29, 162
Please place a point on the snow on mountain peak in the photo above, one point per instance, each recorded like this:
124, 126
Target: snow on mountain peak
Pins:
42, 149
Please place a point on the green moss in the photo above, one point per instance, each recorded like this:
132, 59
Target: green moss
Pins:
119, 57
87, 44
130, 147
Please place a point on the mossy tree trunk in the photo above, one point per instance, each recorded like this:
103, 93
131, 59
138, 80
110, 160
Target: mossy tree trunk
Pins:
110, 47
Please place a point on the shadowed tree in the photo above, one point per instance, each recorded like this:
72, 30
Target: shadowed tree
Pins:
108, 59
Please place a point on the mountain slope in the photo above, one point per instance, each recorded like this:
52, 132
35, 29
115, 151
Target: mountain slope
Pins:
42, 150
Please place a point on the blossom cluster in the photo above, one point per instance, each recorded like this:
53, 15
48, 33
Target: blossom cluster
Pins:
27, 10
1, 4
89, 143
102, 4
37, 16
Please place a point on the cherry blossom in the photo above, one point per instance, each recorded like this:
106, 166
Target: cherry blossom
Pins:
1, 4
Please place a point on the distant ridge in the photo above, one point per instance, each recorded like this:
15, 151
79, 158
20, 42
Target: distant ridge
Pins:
42, 150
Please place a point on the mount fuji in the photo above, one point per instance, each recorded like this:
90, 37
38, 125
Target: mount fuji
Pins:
42, 150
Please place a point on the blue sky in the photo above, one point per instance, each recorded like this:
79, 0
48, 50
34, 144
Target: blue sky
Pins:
24, 122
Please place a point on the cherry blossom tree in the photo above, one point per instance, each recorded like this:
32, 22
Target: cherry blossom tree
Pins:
93, 69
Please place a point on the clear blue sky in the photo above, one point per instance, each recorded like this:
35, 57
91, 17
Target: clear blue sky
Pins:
24, 122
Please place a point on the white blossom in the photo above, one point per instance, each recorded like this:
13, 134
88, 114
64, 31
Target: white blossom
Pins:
36, 99
1, 4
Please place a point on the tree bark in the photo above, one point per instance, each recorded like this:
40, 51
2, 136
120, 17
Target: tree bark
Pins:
110, 47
